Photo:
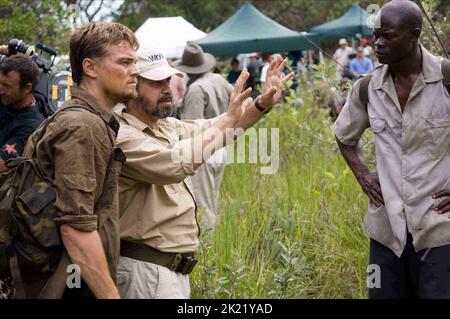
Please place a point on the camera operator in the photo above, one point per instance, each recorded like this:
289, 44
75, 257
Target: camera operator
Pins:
4, 49
19, 116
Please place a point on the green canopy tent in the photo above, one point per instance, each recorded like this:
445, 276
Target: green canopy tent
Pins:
248, 30
354, 21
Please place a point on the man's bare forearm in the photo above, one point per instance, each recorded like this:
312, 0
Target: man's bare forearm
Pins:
250, 117
370, 183
212, 139
211, 143
85, 249
353, 157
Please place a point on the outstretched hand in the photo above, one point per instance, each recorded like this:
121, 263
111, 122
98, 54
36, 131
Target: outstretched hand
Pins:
239, 99
275, 83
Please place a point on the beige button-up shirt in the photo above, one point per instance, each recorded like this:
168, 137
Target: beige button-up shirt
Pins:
412, 154
156, 198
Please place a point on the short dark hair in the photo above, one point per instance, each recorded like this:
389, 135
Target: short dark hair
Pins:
93, 40
28, 70
234, 61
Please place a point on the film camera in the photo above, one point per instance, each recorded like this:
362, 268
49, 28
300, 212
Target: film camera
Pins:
52, 89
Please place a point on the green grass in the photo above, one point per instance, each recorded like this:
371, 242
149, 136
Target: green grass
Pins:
295, 234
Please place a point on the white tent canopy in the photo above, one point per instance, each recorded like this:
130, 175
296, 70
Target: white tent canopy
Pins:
168, 35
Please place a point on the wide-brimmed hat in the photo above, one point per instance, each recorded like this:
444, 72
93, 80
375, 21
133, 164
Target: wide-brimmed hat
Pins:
194, 60
153, 65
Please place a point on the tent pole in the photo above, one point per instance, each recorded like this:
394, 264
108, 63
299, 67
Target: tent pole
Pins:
321, 56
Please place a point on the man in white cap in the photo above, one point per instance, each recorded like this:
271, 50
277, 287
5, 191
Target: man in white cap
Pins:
342, 56
158, 215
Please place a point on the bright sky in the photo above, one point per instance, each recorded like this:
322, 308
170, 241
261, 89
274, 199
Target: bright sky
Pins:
107, 8
115, 4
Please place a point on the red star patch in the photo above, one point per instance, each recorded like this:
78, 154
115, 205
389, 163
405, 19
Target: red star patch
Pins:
10, 149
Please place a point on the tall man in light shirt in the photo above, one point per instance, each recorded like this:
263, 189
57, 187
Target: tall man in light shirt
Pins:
159, 230
207, 96
408, 111
342, 57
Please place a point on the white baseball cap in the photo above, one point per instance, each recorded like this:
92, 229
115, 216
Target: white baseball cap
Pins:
153, 65
343, 41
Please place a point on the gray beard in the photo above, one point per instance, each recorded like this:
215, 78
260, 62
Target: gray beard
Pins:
158, 112
161, 112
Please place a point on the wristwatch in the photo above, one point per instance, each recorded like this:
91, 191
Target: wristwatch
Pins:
259, 107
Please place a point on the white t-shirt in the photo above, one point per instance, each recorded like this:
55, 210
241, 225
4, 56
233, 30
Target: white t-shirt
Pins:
264, 73
342, 56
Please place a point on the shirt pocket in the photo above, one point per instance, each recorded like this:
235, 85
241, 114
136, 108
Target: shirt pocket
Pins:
437, 131
380, 129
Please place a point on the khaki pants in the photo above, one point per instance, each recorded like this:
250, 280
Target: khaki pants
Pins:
206, 183
142, 280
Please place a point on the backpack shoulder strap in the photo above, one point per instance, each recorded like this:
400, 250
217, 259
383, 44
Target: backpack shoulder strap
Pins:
445, 68
364, 89
51, 118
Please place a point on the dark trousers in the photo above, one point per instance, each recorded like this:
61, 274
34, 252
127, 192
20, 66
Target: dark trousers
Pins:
423, 274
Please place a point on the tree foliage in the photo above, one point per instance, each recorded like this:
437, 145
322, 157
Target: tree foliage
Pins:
206, 15
50, 21
35, 21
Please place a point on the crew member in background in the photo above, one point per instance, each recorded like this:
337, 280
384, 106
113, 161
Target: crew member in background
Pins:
207, 96
19, 116
342, 56
361, 65
234, 72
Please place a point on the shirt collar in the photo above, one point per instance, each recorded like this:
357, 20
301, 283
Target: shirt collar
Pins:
121, 113
430, 70
105, 114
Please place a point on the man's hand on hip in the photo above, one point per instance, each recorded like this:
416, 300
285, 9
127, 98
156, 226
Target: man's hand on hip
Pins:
370, 183
444, 206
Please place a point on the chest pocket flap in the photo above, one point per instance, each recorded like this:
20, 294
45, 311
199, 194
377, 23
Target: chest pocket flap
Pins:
377, 125
438, 121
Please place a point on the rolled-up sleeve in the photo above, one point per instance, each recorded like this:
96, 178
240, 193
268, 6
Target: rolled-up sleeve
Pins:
151, 162
353, 119
81, 159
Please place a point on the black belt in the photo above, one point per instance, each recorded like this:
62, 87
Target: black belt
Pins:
182, 263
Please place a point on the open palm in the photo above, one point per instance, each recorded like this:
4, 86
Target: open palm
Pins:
275, 83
